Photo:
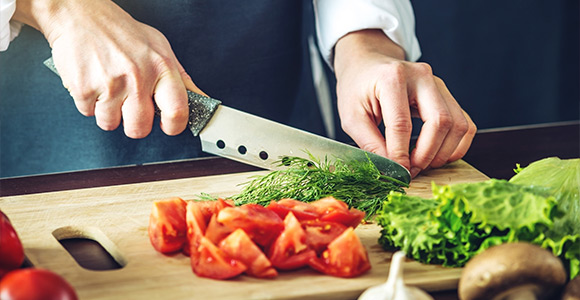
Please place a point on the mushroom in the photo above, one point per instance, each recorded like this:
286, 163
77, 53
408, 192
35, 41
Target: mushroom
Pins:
512, 271
394, 288
572, 290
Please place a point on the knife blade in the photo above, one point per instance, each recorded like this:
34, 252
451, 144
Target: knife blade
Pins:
250, 139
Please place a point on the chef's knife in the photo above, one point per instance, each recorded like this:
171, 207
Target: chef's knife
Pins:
250, 139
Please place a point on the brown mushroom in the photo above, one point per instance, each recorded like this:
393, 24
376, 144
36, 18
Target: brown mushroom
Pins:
512, 271
572, 290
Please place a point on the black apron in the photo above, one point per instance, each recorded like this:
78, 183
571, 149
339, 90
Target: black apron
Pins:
248, 54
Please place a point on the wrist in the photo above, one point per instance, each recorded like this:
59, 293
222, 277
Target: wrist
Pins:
359, 44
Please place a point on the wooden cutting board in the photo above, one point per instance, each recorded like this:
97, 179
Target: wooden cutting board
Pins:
117, 217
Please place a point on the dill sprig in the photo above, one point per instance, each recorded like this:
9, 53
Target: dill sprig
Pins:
359, 184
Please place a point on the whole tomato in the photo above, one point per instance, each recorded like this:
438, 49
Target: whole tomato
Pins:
35, 284
11, 251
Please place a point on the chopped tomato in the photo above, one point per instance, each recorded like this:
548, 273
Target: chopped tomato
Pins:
216, 231
209, 208
211, 262
240, 247
261, 224
345, 257
301, 210
167, 226
335, 210
320, 233
290, 251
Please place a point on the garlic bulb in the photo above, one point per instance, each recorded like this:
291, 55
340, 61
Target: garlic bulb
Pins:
394, 288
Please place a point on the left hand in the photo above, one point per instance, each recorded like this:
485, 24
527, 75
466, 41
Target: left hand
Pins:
375, 84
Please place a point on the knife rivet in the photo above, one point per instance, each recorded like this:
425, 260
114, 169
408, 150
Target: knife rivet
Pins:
242, 149
263, 155
220, 144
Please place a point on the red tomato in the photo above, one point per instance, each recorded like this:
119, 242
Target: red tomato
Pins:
320, 233
334, 210
209, 208
195, 225
239, 246
290, 251
211, 262
167, 227
301, 210
261, 224
11, 250
216, 231
35, 284
345, 257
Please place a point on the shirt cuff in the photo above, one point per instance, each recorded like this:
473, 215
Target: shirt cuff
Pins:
9, 29
336, 18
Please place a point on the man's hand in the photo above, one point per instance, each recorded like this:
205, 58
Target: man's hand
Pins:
112, 65
375, 84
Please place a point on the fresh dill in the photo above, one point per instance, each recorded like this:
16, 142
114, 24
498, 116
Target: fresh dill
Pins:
359, 184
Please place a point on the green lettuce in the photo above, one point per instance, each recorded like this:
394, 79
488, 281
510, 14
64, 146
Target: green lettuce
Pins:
462, 220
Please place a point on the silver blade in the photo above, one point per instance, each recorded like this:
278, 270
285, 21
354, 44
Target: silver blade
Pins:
260, 142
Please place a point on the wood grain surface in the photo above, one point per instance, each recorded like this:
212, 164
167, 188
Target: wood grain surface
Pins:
118, 216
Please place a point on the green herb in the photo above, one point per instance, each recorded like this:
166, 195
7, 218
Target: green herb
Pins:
462, 220
359, 184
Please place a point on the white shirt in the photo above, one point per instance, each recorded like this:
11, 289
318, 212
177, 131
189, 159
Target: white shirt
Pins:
334, 19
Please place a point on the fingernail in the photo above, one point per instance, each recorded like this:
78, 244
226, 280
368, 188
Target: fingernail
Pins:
415, 171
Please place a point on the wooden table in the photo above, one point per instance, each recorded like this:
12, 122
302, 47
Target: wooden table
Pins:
494, 152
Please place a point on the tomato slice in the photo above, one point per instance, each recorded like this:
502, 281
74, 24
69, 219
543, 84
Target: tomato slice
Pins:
261, 224
334, 210
35, 284
301, 210
209, 208
211, 262
239, 246
216, 231
345, 257
290, 250
167, 226
320, 233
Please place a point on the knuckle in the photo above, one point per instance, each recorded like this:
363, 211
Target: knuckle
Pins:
444, 122
400, 126
423, 69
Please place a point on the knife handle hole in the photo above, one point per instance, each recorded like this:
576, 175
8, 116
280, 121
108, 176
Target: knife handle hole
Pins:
220, 144
263, 155
242, 149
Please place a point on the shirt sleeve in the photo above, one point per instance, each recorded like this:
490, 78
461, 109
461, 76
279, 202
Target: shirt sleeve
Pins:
336, 18
8, 29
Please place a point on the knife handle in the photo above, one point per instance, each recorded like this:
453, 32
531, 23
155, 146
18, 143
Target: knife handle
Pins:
201, 108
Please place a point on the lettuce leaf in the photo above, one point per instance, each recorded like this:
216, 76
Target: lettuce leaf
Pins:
463, 220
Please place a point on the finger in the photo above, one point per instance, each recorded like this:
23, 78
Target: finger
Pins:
171, 98
108, 106
465, 142
437, 122
188, 82
397, 119
457, 130
364, 132
138, 111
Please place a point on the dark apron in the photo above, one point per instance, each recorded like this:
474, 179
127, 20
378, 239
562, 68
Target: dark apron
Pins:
249, 54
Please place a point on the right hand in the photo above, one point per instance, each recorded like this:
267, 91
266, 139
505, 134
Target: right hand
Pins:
113, 65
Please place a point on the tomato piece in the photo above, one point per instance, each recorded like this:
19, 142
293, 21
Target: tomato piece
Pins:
239, 246
261, 224
196, 226
11, 250
216, 231
290, 250
344, 257
301, 210
167, 226
35, 284
211, 262
209, 208
320, 233
334, 210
